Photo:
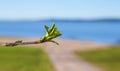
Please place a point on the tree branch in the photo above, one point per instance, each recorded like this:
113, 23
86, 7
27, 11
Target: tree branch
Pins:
20, 43
51, 33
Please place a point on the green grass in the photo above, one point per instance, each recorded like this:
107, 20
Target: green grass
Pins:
21, 58
108, 59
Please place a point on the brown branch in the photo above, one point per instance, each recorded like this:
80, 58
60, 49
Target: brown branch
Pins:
20, 43
51, 33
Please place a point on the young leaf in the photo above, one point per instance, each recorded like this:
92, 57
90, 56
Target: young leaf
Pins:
50, 34
54, 42
47, 29
51, 29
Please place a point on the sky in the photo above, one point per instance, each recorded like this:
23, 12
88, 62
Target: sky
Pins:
63, 9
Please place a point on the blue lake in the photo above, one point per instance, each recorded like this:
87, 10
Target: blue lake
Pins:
100, 32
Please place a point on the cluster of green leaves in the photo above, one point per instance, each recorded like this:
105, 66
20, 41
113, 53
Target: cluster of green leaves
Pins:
51, 33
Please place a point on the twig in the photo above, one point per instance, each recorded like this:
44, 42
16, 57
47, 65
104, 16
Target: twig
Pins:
51, 33
20, 43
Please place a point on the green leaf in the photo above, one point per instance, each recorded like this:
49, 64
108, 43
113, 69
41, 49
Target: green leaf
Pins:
42, 39
54, 42
46, 28
51, 29
50, 34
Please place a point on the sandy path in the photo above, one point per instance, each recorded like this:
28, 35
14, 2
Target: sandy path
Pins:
62, 56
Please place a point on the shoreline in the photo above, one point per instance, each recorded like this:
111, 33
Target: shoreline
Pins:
75, 44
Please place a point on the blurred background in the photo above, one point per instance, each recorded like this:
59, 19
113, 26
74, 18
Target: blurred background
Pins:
94, 21
85, 20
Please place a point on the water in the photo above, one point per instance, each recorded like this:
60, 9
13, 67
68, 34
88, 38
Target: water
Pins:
100, 32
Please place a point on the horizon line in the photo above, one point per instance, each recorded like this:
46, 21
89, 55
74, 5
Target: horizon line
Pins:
49, 19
